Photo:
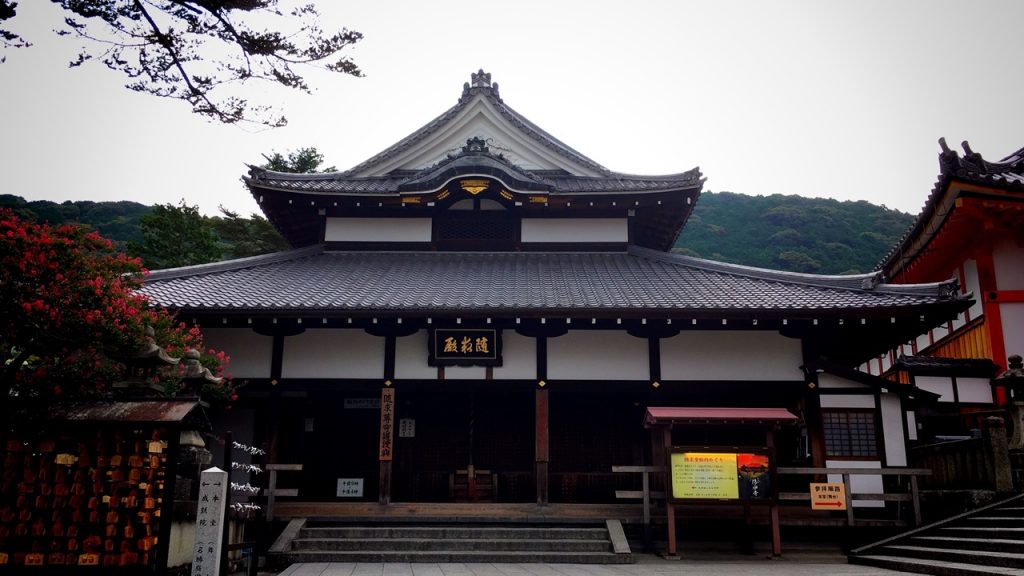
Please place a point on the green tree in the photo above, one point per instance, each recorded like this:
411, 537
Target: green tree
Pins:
190, 49
301, 161
240, 237
174, 236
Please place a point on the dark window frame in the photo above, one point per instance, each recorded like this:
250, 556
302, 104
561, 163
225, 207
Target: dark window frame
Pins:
851, 434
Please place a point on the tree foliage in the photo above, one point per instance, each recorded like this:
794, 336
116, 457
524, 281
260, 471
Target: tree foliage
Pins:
194, 50
241, 237
792, 233
174, 236
73, 317
301, 161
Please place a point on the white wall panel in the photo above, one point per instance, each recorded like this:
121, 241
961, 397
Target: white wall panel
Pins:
575, 230
912, 424
922, 342
830, 381
892, 430
378, 230
938, 384
973, 285
1012, 315
731, 355
598, 355
860, 483
847, 401
974, 390
1008, 260
518, 357
333, 354
411, 358
249, 352
465, 372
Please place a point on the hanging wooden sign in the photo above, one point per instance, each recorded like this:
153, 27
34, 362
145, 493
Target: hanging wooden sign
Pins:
465, 347
387, 424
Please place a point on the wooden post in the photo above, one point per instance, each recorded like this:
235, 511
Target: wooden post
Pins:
670, 510
773, 508
916, 497
849, 500
541, 430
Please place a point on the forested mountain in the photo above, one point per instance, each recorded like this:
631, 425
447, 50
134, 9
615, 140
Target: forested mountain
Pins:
783, 232
792, 232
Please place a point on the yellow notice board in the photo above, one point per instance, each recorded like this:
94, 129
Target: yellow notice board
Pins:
704, 475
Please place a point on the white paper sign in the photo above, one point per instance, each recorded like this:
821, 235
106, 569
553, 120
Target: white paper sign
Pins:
350, 487
407, 428
213, 489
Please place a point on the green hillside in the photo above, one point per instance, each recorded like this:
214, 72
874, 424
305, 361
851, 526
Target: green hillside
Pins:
792, 232
782, 232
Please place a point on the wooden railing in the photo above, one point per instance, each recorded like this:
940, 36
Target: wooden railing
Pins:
912, 495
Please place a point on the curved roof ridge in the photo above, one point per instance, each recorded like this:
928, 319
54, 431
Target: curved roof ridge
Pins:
870, 281
234, 264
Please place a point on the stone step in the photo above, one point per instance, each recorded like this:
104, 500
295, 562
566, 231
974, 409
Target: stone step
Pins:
935, 567
990, 520
1017, 511
450, 544
444, 532
465, 556
979, 557
1006, 533
991, 544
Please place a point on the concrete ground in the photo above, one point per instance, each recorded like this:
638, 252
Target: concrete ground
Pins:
647, 565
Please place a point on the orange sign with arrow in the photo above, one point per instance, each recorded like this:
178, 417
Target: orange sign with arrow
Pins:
828, 496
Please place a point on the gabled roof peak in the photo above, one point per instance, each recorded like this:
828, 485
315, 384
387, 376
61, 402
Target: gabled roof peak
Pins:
479, 82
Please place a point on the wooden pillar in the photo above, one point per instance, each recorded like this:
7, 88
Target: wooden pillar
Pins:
774, 506
670, 509
993, 315
541, 434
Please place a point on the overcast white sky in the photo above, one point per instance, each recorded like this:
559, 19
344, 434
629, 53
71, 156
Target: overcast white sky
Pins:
816, 98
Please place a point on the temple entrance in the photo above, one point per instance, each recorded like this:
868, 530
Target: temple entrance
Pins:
463, 441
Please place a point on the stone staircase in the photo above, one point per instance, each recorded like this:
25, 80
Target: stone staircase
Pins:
369, 541
986, 541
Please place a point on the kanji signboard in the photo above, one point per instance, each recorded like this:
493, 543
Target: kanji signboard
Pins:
828, 496
699, 475
465, 347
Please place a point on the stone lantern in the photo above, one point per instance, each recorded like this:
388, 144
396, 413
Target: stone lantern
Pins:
1013, 380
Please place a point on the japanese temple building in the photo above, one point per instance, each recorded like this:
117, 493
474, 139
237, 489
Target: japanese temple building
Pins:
481, 300
971, 228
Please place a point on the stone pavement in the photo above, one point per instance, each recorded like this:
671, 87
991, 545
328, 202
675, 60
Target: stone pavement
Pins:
646, 566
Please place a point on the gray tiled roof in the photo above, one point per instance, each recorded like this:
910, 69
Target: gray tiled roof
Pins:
640, 280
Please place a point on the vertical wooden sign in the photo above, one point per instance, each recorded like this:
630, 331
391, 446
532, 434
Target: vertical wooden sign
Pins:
387, 424
213, 490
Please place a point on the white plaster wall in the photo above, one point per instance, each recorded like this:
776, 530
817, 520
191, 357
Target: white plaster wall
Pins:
939, 332
729, 355
378, 230
411, 354
250, 352
575, 230
892, 430
830, 381
959, 321
860, 483
847, 401
937, 384
1008, 260
886, 363
1012, 315
518, 357
973, 285
922, 342
912, 424
329, 353
465, 372
974, 390
598, 355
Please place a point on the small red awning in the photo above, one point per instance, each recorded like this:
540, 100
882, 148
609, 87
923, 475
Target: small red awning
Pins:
658, 415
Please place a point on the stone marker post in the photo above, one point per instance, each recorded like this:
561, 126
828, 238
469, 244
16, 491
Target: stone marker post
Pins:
213, 490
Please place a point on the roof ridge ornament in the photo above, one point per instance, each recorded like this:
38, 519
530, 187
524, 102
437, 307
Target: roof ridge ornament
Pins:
476, 145
480, 81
